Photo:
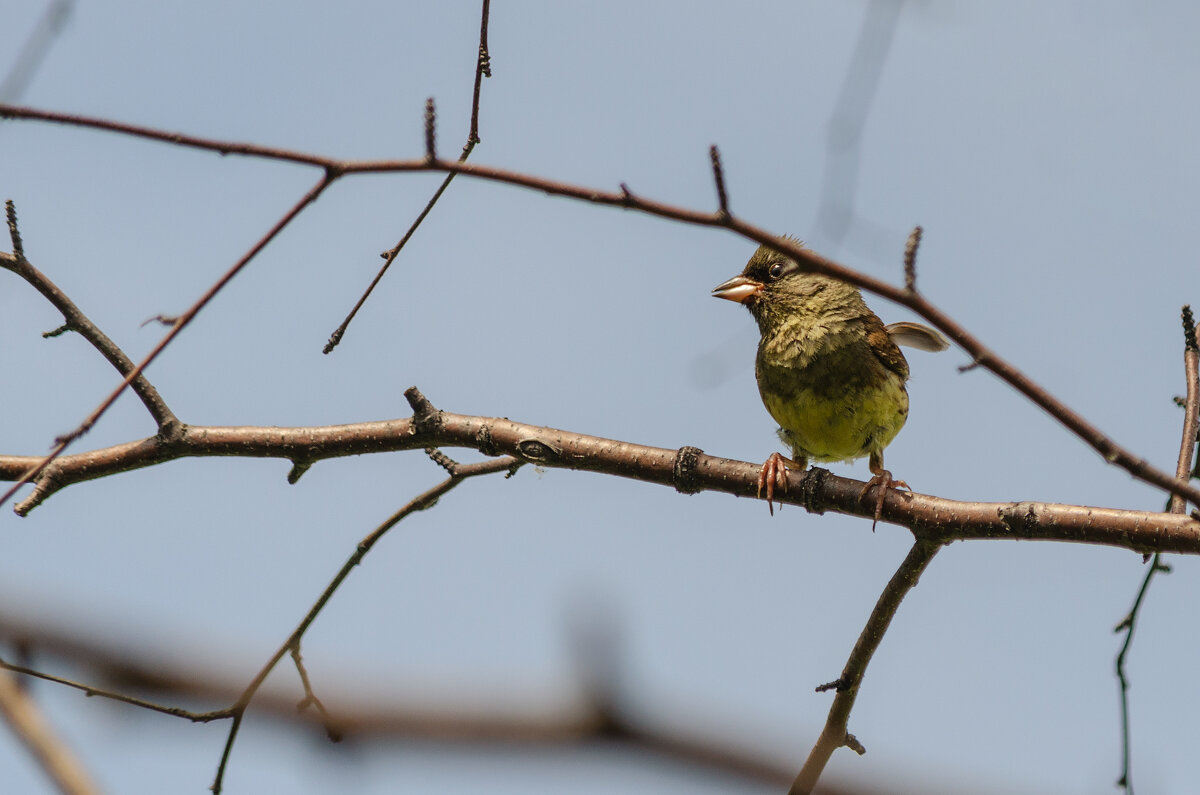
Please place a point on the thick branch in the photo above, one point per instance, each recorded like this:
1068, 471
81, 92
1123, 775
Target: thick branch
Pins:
688, 470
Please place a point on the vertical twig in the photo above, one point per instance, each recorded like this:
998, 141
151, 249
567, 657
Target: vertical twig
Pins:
14, 232
719, 177
910, 259
430, 131
1183, 470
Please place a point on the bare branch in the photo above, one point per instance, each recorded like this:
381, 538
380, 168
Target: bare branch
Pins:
292, 644
483, 68
93, 690
835, 735
14, 231
980, 354
688, 470
910, 259
430, 131
80, 323
61, 443
1176, 505
310, 698
719, 178
1191, 406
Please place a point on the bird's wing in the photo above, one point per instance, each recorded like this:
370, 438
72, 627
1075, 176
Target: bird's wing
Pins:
915, 335
881, 344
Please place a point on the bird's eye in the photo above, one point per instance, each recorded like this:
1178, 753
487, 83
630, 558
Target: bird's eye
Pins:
776, 270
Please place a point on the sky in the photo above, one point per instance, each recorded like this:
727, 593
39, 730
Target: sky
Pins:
1048, 150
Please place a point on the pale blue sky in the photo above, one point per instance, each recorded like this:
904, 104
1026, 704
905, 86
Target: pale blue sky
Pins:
1049, 150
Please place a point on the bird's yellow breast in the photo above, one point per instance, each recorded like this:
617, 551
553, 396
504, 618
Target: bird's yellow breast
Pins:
836, 405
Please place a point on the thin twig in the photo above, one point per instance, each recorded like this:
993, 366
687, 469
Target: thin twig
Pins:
419, 503
1183, 468
714, 155
1191, 406
910, 259
483, 67
14, 231
430, 131
835, 734
310, 697
1127, 625
100, 692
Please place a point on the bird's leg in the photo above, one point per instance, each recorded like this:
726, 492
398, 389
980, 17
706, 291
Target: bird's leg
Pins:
774, 474
883, 479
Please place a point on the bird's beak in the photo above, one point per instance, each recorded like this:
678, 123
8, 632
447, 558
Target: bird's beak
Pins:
739, 288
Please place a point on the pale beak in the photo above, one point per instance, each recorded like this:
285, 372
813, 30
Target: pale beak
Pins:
739, 288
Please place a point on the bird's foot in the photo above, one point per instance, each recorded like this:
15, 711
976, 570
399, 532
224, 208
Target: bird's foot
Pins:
883, 479
774, 475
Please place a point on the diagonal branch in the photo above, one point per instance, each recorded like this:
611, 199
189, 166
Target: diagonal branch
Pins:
835, 734
419, 503
77, 321
61, 442
483, 67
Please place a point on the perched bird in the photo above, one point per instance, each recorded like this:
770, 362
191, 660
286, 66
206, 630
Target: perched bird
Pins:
828, 370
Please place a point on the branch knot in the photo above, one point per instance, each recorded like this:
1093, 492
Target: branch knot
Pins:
426, 419
683, 474
537, 451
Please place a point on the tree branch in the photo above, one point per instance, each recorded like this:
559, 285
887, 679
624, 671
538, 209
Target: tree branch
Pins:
422, 501
835, 734
77, 321
810, 260
1183, 468
60, 444
483, 68
688, 470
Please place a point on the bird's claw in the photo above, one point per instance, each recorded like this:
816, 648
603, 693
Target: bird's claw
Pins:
773, 474
883, 479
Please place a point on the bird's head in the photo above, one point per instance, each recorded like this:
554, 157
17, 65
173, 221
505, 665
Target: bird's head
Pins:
773, 286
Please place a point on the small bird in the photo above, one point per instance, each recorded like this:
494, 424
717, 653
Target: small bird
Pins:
828, 370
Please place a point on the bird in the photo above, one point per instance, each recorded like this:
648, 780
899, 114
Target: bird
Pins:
828, 370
